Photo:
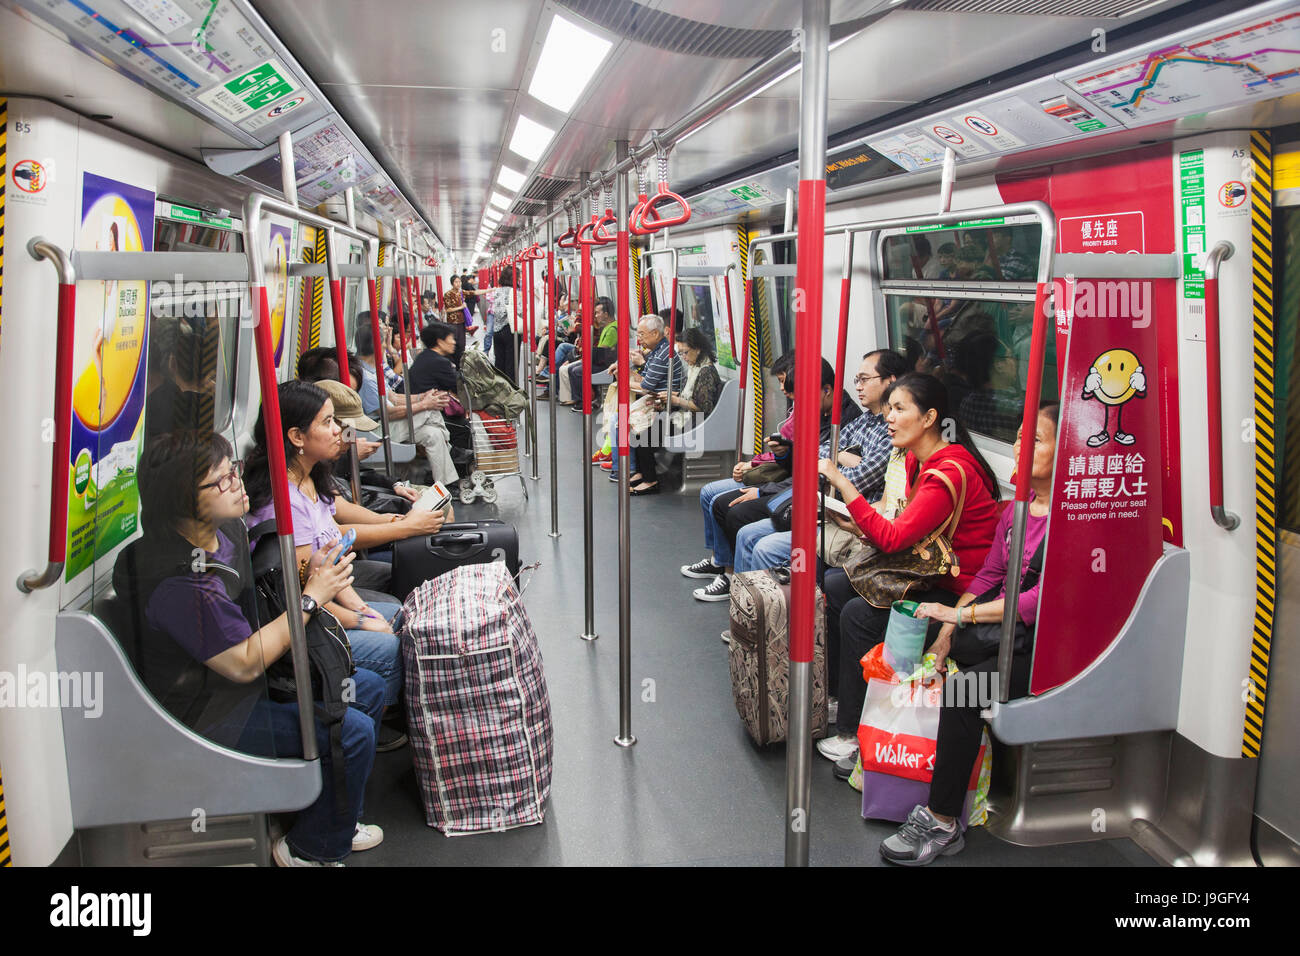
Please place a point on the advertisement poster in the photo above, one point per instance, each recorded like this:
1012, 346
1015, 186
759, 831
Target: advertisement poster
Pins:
108, 376
279, 248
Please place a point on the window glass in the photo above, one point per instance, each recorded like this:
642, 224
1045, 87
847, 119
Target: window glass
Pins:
979, 348
985, 253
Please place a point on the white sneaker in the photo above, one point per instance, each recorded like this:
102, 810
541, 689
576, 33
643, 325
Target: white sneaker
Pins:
704, 568
726, 637
366, 837
283, 856
832, 709
718, 590
837, 747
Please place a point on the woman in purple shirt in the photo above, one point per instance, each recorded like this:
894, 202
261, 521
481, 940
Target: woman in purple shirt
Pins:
970, 634
190, 577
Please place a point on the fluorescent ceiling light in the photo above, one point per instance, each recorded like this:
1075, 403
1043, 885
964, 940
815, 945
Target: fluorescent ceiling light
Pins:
499, 199
570, 58
491, 221
530, 139
510, 179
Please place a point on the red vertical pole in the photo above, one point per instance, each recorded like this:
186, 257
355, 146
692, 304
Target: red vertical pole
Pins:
550, 294
731, 322
271, 413
381, 381
585, 291
340, 333
64, 339
401, 321
672, 315
839, 353
1033, 389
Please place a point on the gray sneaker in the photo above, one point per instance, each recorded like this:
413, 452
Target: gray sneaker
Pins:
921, 839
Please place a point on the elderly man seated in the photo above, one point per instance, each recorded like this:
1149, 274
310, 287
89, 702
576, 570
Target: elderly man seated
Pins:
649, 378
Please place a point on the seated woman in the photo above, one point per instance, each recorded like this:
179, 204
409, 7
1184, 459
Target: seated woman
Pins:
433, 369
918, 420
694, 399
970, 635
564, 324
192, 499
312, 440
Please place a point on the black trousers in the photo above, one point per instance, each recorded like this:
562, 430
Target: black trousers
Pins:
731, 519
505, 346
960, 728
854, 627
459, 328
643, 454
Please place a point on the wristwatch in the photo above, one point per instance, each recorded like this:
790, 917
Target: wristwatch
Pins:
309, 606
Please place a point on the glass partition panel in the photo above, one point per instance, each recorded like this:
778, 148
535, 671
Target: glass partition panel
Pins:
979, 348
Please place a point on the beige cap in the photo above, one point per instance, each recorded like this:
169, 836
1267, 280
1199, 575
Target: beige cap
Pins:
347, 406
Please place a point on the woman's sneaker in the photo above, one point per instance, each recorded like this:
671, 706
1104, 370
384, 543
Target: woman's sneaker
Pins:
726, 637
703, 569
283, 856
836, 747
921, 839
718, 590
367, 837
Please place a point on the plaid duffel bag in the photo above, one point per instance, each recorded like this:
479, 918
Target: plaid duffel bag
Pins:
478, 713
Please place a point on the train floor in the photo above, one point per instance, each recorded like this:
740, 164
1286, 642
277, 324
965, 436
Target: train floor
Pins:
693, 790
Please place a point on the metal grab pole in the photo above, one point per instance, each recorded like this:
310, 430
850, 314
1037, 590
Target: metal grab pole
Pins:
731, 322
744, 369
381, 380
1213, 389
624, 738
811, 248
841, 343
553, 387
585, 288
65, 329
672, 344
532, 361
401, 331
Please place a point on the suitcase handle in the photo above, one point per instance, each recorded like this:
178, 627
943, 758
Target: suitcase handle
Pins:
457, 543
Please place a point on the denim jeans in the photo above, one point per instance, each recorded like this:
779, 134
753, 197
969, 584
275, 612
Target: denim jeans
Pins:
489, 326
272, 730
562, 352
759, 545
714, 539
380, 652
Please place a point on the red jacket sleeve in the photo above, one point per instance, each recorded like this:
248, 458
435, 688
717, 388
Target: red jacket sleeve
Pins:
930, 507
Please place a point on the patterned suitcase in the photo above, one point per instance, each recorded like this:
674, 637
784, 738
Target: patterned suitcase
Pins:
478, 713
759, 655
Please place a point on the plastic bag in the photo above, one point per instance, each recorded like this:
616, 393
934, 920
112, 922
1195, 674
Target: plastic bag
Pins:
904, 636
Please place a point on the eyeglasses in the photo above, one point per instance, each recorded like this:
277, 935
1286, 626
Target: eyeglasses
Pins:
863, 379
227, 481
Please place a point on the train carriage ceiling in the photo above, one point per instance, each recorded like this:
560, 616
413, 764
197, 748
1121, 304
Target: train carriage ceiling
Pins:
433, 91
438, 94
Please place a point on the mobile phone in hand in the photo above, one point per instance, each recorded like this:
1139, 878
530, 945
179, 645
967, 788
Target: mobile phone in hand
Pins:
348, 539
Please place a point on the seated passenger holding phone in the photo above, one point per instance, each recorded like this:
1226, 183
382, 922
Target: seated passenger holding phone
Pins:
655, 360
312, 440
189, 580
970, 635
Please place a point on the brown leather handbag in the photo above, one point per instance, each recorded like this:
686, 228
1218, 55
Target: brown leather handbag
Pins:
882, 578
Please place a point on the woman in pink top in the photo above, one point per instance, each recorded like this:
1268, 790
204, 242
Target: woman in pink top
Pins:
970, 636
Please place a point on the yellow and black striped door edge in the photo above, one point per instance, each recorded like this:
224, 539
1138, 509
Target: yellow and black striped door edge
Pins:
743, 236
6, 858
1261, 249
4, 177
317, 292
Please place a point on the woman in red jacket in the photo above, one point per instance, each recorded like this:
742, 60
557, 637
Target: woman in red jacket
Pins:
921, 423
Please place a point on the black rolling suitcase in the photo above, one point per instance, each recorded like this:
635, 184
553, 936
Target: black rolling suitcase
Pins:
415, 560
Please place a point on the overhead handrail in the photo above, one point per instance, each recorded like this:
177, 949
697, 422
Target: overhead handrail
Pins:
1213, 385
647, 220
32, 579
642, 197
600, 232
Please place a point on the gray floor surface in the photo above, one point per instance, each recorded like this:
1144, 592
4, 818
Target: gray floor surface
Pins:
694, 790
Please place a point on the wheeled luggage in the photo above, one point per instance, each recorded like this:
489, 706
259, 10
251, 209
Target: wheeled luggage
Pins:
760, 655
478, 713
415, 560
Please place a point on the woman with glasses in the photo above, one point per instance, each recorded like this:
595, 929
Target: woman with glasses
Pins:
312, 439
189, 581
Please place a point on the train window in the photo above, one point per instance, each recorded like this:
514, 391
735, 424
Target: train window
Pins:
968, 253
696, 302
193, 337
979, 348
1287, 382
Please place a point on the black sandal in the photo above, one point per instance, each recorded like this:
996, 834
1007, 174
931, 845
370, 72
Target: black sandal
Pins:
652, 490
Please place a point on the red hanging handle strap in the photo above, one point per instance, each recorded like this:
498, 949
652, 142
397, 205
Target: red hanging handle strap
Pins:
646, 219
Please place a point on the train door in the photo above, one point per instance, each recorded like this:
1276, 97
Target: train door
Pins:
1277, 814
773, 318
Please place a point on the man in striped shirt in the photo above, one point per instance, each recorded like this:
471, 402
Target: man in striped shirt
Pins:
654, 360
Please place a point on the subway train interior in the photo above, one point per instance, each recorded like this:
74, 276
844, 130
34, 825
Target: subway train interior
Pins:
968, 218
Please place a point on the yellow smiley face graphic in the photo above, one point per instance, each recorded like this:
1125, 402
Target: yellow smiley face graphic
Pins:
1115, 367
